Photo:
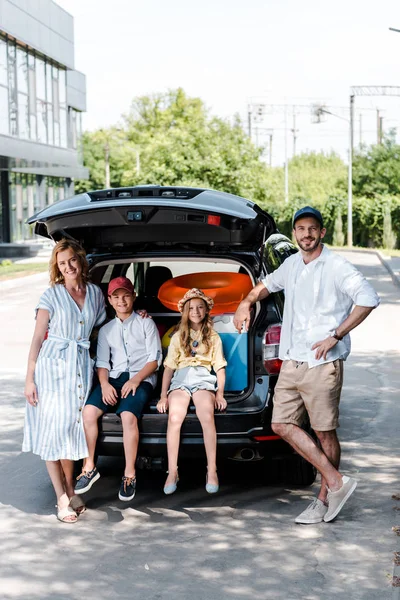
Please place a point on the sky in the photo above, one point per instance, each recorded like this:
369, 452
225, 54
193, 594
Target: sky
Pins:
239, 53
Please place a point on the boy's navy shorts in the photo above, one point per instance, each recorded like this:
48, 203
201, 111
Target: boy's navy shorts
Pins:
133, 404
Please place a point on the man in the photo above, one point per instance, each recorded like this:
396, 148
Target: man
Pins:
128, 355
320, 288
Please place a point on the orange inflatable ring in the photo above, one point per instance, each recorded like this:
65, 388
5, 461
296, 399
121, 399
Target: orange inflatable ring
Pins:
226, 289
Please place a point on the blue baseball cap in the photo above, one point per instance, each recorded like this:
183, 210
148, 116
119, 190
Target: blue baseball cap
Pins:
308, 211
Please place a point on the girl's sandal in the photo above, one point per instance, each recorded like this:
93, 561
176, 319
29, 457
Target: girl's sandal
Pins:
77, 504
211, 488
171, 487
66, 515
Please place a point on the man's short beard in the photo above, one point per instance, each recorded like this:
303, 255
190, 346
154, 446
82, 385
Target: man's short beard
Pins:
313, 247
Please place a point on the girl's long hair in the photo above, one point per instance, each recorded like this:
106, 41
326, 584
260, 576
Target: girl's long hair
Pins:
64, 244
184, 330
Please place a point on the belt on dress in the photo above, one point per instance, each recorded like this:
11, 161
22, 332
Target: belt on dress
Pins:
71, 355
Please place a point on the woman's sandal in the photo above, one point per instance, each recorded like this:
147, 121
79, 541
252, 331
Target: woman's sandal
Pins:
77, 504
64, 514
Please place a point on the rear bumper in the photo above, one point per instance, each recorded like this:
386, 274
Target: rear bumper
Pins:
236, 430
229, 445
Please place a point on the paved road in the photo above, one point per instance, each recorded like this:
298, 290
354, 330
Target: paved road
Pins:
241, 544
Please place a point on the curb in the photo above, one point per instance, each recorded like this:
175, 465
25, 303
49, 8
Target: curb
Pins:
385, 261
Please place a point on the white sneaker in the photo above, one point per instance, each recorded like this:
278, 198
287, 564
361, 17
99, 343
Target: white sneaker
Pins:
336, 500
314, 513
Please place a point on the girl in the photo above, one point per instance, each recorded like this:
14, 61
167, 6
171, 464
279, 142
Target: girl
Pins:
59, 373
195, 348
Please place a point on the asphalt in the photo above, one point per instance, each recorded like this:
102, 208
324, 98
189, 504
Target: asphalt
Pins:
241, 543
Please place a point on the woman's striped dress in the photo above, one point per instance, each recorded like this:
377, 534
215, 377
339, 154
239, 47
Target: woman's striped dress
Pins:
63, 375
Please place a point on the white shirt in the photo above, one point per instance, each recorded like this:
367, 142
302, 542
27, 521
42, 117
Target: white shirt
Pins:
336, 285
128, 345
303, 296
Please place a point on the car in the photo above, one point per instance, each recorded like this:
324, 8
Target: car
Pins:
152, 234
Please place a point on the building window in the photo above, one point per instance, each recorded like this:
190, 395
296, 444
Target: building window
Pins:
40, 79
22, 71
13, 207
4, 128
41, 108
63, 128
49, 105
62, 81
23, 116
3, 63
4, 125
75, 120
28, 194
32, 97
12, 88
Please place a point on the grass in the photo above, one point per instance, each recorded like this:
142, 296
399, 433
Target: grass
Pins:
10, 270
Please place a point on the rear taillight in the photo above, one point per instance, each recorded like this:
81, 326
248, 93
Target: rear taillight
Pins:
213, 220
272, 362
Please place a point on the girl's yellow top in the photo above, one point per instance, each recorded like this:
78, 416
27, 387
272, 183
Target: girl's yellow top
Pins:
214, 358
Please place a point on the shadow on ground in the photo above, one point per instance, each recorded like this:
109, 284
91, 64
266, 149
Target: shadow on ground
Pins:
240, 543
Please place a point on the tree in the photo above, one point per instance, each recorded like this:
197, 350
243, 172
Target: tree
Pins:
179, 143
376, 169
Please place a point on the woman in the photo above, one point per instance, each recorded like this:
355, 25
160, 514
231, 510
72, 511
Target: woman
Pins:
59, 373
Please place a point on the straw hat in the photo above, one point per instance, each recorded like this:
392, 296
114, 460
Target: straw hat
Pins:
195, 293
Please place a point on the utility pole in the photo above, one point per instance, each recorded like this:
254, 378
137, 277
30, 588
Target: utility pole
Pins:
249, 120
286, 159
378, 127
270, 149
360, 130
294, 131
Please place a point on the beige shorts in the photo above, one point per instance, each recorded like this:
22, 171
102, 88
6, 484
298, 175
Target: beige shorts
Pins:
317, 391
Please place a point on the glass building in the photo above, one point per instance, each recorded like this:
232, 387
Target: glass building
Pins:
42, 99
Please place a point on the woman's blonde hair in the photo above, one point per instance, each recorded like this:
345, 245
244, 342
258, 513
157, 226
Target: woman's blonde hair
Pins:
184, 329
64, 244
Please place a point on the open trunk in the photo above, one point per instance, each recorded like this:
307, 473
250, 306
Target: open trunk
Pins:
148, 275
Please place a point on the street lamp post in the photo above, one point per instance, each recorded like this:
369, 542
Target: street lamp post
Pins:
350, 175
318, 111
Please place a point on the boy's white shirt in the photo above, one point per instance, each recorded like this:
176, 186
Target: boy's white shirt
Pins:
337, 286
128, 345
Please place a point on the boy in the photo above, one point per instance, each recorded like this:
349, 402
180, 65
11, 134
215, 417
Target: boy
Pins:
128, 355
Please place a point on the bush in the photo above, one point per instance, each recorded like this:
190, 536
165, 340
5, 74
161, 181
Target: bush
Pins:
338, 235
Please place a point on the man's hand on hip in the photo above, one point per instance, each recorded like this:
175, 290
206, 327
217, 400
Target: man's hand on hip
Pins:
322, 348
